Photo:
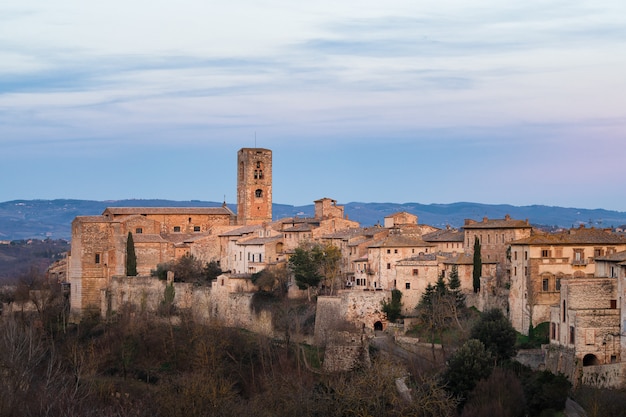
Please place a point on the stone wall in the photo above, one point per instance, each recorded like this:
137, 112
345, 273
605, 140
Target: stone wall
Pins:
354, 309
612, 376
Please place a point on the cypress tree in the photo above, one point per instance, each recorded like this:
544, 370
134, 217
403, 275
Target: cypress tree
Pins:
131, 258
478, 265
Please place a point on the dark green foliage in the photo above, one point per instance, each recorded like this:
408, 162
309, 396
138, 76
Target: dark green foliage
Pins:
478, 265
454, 287
500, 395
393, 308
211, 271
545, 392
495, 331
305, 268
188, 269
469, 364
131, 257
272, 280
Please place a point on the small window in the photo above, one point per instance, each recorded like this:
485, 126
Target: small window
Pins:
415, 271
138, 230
97, 259
388, 266
613, 304
572, 335
395, 251
388, 250
407, 285
176, 229
558, 284
196, 228
545, 253
258, 193
544, 284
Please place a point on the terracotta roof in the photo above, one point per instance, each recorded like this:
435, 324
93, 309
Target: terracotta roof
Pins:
418, 258
120, 211
444, 235
243, 230
578, 236
305, 227
506, 223
344, 234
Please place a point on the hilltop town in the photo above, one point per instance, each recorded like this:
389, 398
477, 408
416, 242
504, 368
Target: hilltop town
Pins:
567, 281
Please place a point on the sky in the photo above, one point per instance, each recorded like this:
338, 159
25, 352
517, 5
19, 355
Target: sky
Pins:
441, 101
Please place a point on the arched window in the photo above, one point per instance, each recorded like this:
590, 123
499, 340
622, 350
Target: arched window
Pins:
258, 193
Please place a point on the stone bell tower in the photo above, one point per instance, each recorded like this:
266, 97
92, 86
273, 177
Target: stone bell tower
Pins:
254, 186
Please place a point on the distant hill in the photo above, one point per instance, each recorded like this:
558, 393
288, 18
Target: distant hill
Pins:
24, 219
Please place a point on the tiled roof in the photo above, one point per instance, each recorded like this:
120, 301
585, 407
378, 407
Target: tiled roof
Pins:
506, 223
418, 258
444, 235
243, 230
579, 236
344, 234
305, 227
120, 211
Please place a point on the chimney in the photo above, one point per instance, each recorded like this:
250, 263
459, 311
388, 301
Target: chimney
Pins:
507, 217
485, 219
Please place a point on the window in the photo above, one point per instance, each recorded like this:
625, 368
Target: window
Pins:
564, 311
388, 250
407, 286
395, 251
515, 255
138, 231
415, 271
258, 193
572, 335
598, 252
613, 304
558, 284
388, 266
525, 255
545, 253
545, 284
97, 258
558, 252
196, 228
552, 331
176, 229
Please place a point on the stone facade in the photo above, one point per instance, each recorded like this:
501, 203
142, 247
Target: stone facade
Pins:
541, 262
254, 190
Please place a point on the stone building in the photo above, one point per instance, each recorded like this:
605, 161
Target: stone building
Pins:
98, 248
540, 263
495, 236
162, 234
254, 186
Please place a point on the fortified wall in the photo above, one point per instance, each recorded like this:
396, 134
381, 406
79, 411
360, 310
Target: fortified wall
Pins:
227, 301
350, 310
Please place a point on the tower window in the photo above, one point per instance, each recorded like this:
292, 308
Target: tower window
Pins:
258, 193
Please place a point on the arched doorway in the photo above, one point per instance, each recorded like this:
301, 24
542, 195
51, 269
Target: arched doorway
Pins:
590, 360
378, 325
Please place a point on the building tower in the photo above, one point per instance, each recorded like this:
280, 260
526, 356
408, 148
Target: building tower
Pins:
254, 186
